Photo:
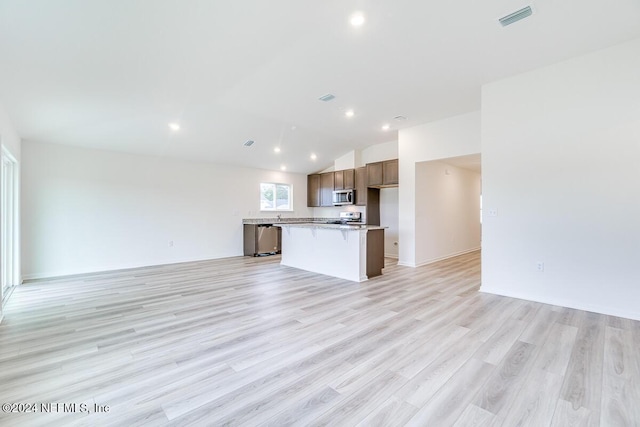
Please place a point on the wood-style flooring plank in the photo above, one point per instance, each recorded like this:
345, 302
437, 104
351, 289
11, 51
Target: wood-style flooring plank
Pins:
244, 341
446, 406
620, 395
583, 381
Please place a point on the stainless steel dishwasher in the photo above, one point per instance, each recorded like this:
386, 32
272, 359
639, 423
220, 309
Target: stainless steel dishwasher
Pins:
261, 239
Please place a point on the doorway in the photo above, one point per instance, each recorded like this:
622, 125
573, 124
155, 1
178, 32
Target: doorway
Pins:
9, 246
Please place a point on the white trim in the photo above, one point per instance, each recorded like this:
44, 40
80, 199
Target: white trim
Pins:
431, 261
453, 255
99, 270
611, 311
7, 156
395, 256
406, 264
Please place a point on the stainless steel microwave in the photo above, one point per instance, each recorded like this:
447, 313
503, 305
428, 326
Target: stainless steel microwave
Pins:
344, 197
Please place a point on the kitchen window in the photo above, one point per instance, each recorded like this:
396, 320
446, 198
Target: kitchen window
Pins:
276, 197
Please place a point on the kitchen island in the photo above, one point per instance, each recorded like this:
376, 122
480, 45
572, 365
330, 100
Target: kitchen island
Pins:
351, 252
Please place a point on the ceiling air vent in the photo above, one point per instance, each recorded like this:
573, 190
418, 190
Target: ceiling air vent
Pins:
326, 98
249, 143
515, 16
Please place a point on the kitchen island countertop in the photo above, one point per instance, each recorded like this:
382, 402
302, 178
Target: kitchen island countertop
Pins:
330, 226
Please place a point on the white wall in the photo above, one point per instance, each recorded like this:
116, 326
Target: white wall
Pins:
9, 137
389, 219
347, 161
447, 211
378, 153
88, 210
371, 154
452, 137
561, 164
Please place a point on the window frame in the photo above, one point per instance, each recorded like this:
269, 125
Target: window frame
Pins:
275, 190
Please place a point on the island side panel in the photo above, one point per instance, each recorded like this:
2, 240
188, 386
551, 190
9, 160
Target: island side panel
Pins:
375, 253
334, 252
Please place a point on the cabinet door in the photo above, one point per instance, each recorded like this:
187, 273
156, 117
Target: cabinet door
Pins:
326, 189
338, 178
374, 174
349, 179
313, 190
390, 172
361, 186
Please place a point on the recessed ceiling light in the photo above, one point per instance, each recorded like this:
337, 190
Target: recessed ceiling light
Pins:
357, 19
349, 113
283, 168
385, 127
174, 126
277, 149
313, 156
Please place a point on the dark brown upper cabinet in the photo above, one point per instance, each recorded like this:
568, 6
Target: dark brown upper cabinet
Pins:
374, 174
344, 179
313, 190
327, 185
338, 180
390, 172
320, 187
361, 186
349, 179
382, 174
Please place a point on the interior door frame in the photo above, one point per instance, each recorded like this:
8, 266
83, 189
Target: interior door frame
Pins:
9, 224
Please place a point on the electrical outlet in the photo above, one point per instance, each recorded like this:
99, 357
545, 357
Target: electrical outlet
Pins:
493, 212
540, 266
170, 243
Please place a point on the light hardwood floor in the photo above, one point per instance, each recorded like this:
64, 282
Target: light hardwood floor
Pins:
245, 341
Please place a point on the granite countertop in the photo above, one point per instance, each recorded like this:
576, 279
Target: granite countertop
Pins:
282, 221
312, 223
353, 227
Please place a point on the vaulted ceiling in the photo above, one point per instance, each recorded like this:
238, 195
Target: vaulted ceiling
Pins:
112, 74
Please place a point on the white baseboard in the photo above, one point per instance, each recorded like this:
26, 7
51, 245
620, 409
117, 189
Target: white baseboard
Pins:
406, 264
453, 255
431, 261
395, 256
105, 269
611, 311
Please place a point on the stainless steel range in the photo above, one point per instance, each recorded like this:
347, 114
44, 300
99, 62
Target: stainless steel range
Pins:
347, 217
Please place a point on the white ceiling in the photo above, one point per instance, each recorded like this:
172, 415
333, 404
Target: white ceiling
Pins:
111, 74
